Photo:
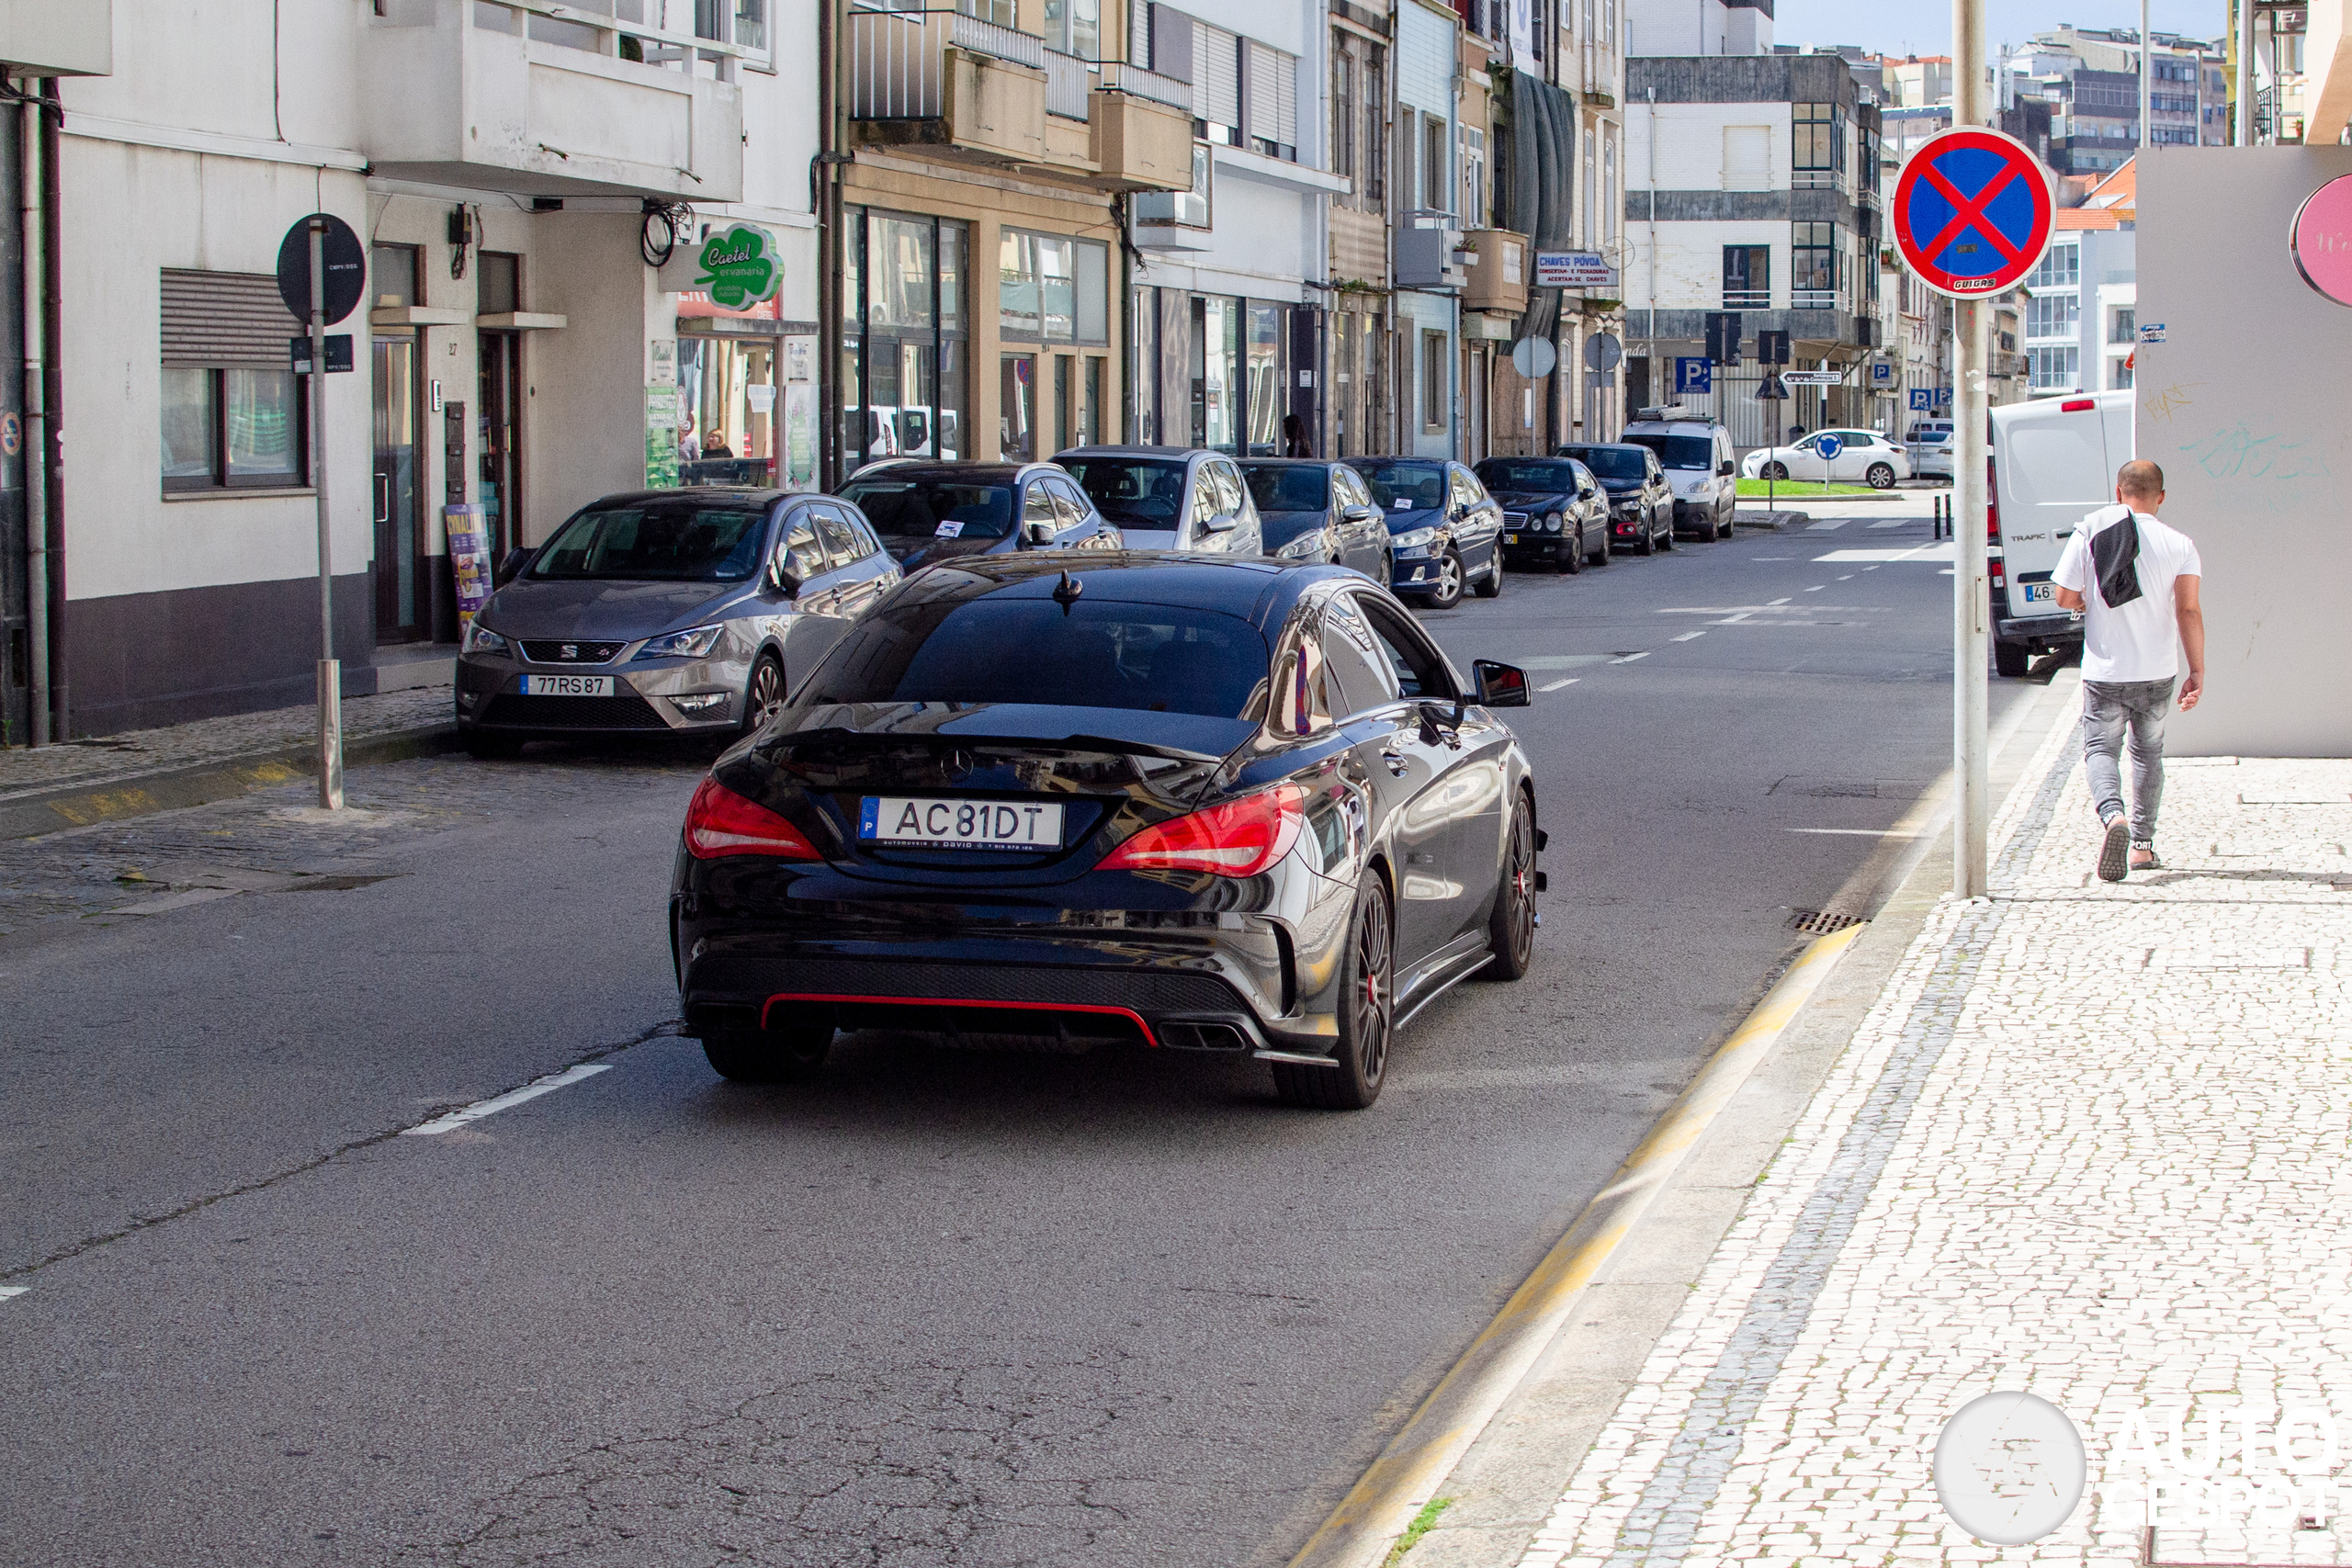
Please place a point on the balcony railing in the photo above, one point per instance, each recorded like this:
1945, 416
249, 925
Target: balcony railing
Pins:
1138, 82
593, 27
1813, 299
1817, 179
1747, 299
1069, 83
897, 59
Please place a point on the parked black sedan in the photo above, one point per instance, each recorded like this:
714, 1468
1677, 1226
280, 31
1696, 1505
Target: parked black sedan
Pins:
1554, 511
928, 511
1313, 510
1224, 806
1641, 500
1445, 531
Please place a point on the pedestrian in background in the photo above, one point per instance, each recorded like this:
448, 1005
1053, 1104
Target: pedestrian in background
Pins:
2135, 579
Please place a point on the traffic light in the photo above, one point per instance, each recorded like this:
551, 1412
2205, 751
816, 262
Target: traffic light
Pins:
1771, 348
1723, 336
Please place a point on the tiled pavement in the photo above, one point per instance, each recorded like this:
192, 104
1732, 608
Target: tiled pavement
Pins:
2090, 1143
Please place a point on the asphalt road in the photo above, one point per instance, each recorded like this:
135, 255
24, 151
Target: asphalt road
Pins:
940, 1307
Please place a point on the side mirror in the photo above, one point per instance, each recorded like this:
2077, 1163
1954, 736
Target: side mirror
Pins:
1723, 470
1499, 685
1036, 533
1360, 514
512, 566
1223, 523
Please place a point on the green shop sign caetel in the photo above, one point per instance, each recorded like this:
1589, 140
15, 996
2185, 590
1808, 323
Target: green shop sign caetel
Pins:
739, 268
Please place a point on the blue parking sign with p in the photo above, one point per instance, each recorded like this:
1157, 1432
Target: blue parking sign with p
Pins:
1922, 399
1693, 375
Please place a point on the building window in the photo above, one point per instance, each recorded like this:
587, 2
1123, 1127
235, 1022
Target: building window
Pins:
1433, 164
1813, 266
1473, 177
1053, 288
1270, 109
1375, 128
905, 374
1819, 152
1183, 209
1433, 400
2052, 315
1747, 277
2122, 326
1075, 27
1344, 108
234, 414
2054, 369
2060, 267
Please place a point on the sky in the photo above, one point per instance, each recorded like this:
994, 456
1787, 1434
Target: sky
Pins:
1924, 27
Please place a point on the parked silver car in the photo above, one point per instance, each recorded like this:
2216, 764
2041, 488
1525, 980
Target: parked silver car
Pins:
668, 612
1170, 498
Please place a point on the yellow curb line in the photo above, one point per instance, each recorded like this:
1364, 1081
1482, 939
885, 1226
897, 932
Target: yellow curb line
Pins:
1368, 1521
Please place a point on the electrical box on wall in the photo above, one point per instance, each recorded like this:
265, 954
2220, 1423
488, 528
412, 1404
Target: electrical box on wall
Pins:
453, 452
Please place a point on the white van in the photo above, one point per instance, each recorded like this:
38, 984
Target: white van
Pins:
1696, 453
2053, 463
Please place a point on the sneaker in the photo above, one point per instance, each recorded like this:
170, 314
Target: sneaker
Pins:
2151, 864
2113, 851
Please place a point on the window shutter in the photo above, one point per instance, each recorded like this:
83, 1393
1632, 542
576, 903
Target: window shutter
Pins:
224, 319
1172, 44
1265, 91
1217, 75
1286, 100
1139, 33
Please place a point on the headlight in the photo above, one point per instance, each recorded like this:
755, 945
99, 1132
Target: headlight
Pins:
480, 639
1551, 522
695, 644
1305, 548
1627, 507
1414, 539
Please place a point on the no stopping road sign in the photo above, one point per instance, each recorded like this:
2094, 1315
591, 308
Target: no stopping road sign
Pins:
1972, 212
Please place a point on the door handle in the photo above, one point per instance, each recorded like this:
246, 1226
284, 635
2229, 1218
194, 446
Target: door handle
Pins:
1396, 761
383, 498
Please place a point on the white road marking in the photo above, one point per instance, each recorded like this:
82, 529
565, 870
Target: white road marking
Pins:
1859, 832
1781, 599
1945, 550
1630, 658
1826, 525
1894, 523
1686, 637
1556, 685
511, 1098
7, 1291
1816, 588
1847, 578
1560, 660
1774, 558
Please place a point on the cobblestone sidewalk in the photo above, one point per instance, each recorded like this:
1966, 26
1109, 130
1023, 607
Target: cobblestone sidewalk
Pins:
2090, 1143
136, 753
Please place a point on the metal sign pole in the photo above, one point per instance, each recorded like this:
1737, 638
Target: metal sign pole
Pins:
330, 668
1971, 585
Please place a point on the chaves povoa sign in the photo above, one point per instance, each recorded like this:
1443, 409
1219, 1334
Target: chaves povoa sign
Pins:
737, 267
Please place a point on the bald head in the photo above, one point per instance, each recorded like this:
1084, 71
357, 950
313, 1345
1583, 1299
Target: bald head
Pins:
2140, 485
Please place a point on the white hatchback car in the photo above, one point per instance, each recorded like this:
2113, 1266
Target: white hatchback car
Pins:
1863, 456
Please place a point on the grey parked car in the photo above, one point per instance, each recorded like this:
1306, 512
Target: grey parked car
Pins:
1313, 510
670, 612
927, 512
1170, 498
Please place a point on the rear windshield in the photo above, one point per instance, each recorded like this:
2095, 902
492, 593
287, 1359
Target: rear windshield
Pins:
1277, 487
1677, 451
660, 541
902, 508
1146, 491
1400, 487
1500, 474
1609, 462
1101, 654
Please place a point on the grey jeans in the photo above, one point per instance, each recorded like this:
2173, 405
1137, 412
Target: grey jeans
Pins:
2110, 708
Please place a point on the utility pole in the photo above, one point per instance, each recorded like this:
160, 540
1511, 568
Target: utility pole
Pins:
330, 668
2244, 135
1971, 587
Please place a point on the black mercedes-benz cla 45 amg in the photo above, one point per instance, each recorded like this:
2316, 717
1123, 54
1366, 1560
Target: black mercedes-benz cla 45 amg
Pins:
1222, 805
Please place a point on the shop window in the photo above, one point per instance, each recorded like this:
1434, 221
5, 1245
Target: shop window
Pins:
1218, 387
1052, 288
1089, 407
726, 431
904, 377
1265, 389
232, 414
1017, 408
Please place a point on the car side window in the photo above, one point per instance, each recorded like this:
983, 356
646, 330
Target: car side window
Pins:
801, 554
1419, 670
868, 544
1071, 510
1354, 663
1206, 494
841, 541
1357, 494
1039, 508
1230, 492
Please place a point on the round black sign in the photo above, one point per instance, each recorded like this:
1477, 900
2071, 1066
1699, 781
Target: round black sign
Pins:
346, 267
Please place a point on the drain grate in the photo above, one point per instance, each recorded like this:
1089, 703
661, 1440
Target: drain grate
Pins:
1820, 922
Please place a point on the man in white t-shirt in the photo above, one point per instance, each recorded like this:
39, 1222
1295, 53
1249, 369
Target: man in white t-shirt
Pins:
2135, 579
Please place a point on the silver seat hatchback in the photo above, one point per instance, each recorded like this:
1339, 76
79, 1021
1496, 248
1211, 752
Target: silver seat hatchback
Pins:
672, 612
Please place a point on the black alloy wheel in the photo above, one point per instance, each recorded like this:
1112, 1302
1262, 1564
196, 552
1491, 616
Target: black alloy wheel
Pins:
1666, 535
1447, 593
1491, 585
1774, 471
1646, 545
1511, 930
1367, 1014
791, 1055
765, 694
1608, 550
1570, 557
1881, 476
485, 748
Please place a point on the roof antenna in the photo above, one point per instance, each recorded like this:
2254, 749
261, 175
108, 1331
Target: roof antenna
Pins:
1067, 590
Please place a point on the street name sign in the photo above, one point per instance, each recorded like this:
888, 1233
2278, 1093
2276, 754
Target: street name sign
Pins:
1813, 377
1972, 212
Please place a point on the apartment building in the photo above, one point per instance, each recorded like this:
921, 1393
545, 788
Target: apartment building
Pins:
2090, 78
1755, 189
2288, 40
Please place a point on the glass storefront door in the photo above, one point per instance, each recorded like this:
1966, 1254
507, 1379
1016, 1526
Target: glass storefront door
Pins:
399, 606
1017, 408
498, 416
905, 335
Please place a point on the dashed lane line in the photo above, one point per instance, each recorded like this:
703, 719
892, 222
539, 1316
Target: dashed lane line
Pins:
1628, 658
511, 1098
8, 1292
1686, 637
1860, 832
1556, 685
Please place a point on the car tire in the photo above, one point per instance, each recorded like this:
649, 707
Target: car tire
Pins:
2010, 658
1570, 560
1773, 471
1647, 544
490, 748
764, 692
1491, 585
1727, 522
1608, 551
1511, 929
1880, 476
1368, 1013
1666, 538
1448, 593
793, 1054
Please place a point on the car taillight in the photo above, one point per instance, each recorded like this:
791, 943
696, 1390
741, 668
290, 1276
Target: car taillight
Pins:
721, 822
1241, 838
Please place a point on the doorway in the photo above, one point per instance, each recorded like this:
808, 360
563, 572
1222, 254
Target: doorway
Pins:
501, 436
399, 606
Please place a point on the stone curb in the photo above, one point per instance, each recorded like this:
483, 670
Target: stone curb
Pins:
172, 789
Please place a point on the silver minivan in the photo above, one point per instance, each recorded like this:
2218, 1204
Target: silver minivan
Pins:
1170, 498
